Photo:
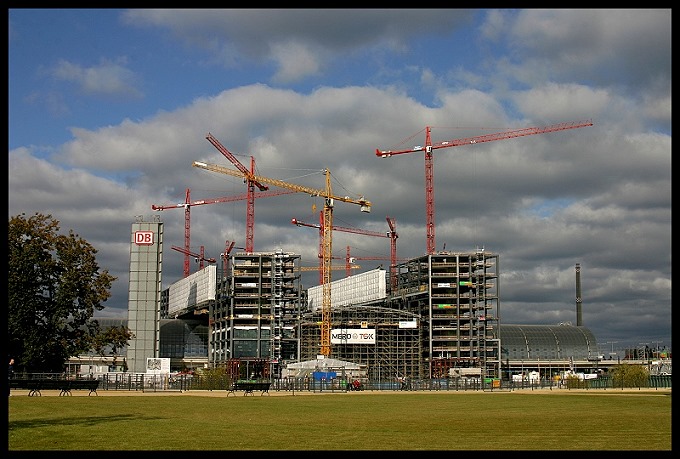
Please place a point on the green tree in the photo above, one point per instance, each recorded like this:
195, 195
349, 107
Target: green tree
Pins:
55, 287
630, 375
111, 340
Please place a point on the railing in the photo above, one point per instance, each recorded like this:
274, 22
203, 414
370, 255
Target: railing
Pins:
187, 382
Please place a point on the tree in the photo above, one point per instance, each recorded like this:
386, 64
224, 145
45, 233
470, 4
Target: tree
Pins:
55, 287
111, 340
630, 375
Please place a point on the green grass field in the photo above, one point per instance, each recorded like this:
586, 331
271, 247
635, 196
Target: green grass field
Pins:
593, 420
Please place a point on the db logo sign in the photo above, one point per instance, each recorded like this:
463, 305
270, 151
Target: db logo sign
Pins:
144, 237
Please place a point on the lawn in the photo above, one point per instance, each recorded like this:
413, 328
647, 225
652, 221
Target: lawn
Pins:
592, 420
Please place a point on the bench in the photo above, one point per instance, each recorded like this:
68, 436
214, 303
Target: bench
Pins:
79, 384
64, 386
249, 387
33, 385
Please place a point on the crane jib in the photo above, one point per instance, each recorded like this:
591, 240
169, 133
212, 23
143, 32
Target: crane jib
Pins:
487, 138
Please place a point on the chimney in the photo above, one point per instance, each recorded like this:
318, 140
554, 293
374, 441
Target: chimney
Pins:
579, 318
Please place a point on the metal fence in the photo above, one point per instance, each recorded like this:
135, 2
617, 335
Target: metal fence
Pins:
186, 382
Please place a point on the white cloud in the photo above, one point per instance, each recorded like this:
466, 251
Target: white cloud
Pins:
107, 78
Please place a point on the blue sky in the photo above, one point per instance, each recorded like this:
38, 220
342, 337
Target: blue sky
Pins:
108, 108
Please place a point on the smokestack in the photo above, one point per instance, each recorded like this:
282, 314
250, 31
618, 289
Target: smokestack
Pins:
579, 318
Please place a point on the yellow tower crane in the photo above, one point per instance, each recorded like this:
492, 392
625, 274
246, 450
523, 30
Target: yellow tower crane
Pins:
329, 199
316, 268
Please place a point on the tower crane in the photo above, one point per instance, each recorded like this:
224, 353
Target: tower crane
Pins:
316, 268
349, 260
228, 247
187, 204
200, 257
430, 147
297, 222
391, 234
250, 183
319, 268
329, 198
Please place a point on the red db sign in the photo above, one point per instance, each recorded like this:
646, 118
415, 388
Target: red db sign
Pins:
144, 237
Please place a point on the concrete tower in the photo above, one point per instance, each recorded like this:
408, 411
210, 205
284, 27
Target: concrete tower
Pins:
144, 292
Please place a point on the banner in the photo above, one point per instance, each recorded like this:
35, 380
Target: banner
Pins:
353, 336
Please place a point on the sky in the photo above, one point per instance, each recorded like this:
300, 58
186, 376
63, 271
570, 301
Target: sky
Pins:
109, 108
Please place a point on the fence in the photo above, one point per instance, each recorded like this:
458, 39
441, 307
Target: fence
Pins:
186, 382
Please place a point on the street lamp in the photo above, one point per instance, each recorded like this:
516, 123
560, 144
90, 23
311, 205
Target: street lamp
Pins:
612, 352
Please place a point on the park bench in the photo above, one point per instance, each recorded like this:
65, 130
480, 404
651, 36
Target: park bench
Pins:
64, 386
79, 384
249, 387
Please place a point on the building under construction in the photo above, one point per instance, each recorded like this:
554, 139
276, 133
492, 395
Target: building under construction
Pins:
437, 314
434, 316
255, 313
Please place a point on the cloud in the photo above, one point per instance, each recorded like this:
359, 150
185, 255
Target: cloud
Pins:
107, 78
304, 90
299, 42
587, 45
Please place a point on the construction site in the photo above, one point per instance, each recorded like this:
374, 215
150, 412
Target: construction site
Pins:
438, 317
432, 316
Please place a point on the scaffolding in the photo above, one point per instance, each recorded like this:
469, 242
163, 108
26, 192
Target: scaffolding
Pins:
456, 295
394, 352
439, 316
256, 310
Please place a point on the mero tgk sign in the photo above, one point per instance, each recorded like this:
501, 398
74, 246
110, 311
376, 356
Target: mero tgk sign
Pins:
144, 237
353, 336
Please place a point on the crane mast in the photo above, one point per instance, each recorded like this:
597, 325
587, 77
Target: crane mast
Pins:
187, 205
187, 227
392, 235
329, 198
393, 251
349, 260
429, 148
228, 247
250, 183
200, 257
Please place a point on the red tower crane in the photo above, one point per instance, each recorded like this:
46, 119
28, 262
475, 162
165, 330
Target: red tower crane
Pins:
200, 257
187, 204
251, 183
329, 200
349, 261
430, 147
391, 234
228, 246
